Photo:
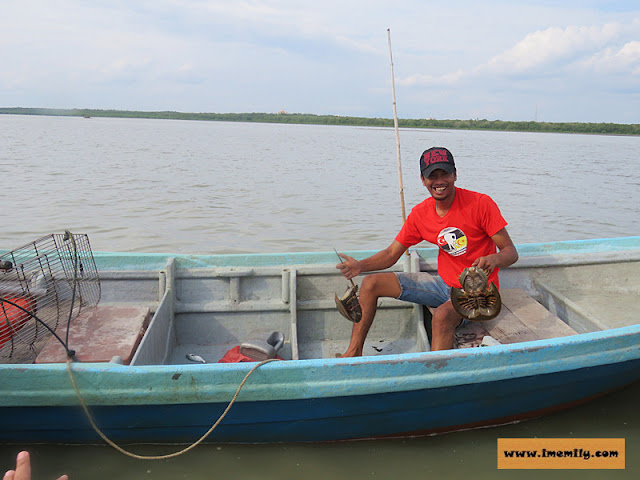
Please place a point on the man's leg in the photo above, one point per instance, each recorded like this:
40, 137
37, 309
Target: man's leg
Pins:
443, 325
426, 289
373, 287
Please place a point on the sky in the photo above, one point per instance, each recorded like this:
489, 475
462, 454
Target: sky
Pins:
544, 60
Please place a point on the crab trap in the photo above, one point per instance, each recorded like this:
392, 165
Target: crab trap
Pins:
44, 285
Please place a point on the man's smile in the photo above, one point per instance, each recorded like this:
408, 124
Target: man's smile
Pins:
440, 189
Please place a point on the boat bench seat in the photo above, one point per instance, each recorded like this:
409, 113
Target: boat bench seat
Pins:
522, 319
100, 333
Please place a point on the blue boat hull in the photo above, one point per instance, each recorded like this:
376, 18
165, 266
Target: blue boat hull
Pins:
419, 412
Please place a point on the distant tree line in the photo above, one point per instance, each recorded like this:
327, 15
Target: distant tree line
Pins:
307, 118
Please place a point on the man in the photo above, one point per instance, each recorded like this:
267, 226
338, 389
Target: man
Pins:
470, 231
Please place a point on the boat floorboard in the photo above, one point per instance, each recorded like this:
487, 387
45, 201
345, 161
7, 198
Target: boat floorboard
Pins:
100, 333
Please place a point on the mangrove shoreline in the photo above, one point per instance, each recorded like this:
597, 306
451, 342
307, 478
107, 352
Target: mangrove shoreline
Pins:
312, 119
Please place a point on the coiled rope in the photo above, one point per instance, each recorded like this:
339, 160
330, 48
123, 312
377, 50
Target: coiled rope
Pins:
169, 455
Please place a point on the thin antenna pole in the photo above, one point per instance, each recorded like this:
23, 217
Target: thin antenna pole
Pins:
395, 124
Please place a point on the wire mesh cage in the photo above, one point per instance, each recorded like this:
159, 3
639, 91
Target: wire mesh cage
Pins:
44, 285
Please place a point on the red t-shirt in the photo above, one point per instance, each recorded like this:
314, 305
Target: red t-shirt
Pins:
463, 234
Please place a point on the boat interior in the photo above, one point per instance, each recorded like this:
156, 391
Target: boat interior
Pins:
174, 315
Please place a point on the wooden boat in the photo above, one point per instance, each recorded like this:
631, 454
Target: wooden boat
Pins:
569, 331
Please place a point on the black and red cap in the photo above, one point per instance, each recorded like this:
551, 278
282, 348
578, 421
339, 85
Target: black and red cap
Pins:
436, 158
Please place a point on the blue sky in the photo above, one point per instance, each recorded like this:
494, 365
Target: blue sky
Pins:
495, 59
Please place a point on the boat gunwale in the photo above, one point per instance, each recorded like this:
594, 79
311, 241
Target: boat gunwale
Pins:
554, 253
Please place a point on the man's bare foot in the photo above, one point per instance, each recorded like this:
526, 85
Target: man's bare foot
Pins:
349, 354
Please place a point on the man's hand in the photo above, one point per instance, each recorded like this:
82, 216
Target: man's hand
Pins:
23, 469
350, 268
507, 254
487, 263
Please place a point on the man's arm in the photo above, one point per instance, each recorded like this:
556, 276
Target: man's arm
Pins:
383, 259
507, 253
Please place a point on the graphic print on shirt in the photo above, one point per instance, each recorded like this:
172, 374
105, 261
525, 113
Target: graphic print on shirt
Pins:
453, 241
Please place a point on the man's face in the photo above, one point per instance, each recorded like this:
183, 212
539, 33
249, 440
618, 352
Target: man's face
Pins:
440, 184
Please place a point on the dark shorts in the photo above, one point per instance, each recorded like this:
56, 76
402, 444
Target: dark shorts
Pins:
423, 288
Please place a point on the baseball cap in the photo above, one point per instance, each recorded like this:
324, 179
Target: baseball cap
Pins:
436, 158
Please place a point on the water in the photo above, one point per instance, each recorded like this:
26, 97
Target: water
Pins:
198, 187
209, 187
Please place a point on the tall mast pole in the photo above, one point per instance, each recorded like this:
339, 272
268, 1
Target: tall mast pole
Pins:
395, 124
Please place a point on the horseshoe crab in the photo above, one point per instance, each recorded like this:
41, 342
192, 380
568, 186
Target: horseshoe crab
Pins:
477, 300
349, 305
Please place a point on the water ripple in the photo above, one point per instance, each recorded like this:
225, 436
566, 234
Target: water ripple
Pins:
212, 187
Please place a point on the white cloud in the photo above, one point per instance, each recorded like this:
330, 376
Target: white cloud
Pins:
552, 52
552, 46
430, 80
625, 60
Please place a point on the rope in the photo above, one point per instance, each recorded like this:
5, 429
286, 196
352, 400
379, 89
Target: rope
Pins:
170, 455
68, 235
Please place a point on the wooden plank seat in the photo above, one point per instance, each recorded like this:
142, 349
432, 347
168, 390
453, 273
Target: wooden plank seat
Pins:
521, 319
100, 333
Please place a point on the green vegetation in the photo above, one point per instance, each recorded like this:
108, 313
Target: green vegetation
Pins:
304, 118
